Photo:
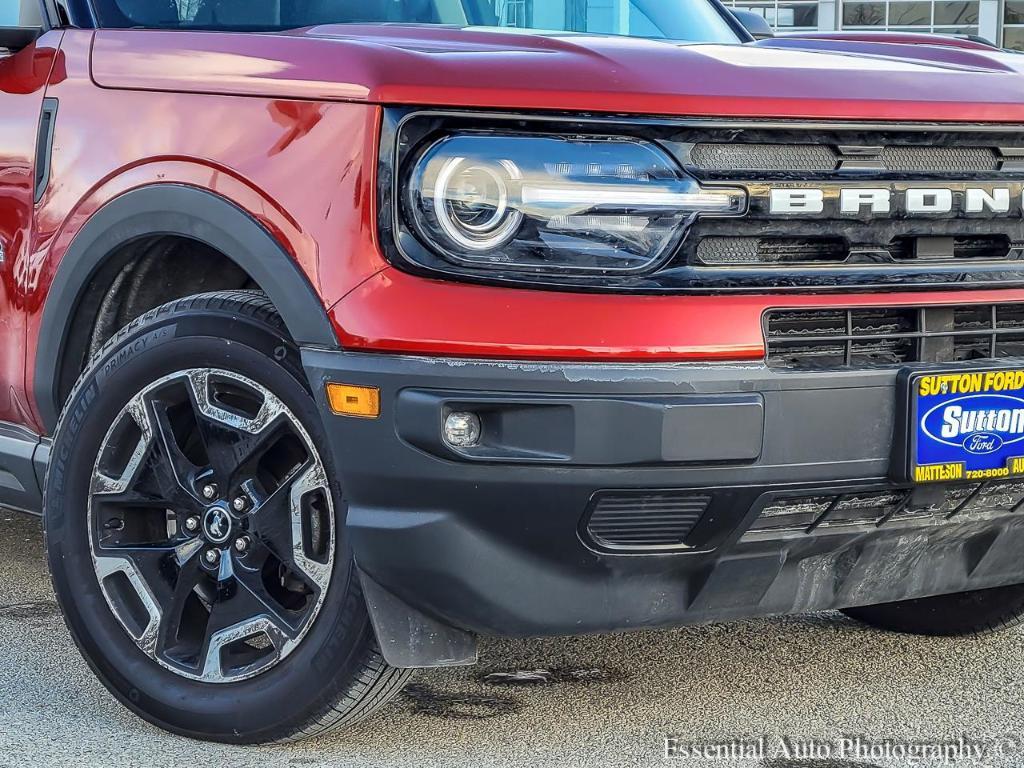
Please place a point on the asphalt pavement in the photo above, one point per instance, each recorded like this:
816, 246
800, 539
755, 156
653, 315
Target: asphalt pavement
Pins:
801, 684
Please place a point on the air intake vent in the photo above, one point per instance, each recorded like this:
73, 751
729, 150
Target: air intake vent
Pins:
889, 336
841, 338
771, 251
646, 519
764, 157
944, 159
821, 157
992, 247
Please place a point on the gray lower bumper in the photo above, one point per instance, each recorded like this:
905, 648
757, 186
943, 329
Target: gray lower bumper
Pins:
784, 477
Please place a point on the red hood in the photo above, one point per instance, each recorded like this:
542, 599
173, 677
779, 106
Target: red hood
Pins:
442, 66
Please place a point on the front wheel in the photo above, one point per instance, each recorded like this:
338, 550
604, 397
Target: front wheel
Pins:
195, 532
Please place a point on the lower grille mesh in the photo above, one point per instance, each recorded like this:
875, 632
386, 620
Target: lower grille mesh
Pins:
810, 339
777, 251
821, 157
764, 157
643, 520
753, 251
949, 159
887, 336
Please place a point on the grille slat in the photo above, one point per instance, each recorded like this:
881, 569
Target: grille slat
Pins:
649, 519
874, 337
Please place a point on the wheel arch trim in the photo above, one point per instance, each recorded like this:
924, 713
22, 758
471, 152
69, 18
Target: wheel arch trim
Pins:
169, 209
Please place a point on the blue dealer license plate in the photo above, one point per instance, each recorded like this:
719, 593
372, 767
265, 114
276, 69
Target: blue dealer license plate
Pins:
966, 425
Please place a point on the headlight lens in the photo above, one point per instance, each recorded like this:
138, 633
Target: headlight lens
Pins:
553, 203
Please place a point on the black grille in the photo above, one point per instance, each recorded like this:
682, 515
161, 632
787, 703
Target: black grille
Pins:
822, 157
764, 157
864, 510
995, 247
886, 336
623, 520
745, 251
834, 250
940, 159
717, 251
841, 337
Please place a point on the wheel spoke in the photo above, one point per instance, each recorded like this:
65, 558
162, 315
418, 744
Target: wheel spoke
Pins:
287, 622
270, 519
186, 551
143, 569
105, 485
153, 563
216, 439
232, 441
314, 478
137, 495
277, 520
240, 616
189, 575
172, 471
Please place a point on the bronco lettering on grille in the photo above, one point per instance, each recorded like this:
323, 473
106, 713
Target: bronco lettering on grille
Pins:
857, 201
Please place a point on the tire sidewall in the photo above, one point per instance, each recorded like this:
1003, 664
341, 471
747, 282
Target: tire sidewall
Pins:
247, 710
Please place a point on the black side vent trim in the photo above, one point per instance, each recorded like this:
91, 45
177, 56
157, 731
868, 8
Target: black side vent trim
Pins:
44, 147
644, 520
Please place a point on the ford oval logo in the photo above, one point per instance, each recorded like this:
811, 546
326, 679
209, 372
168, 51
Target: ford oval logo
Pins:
981, 443
996, 419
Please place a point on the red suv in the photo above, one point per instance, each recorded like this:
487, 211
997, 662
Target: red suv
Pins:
340, 333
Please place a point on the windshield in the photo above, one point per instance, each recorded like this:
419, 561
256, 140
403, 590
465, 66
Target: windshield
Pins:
684, 20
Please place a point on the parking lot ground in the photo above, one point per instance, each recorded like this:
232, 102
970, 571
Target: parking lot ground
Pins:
605, 701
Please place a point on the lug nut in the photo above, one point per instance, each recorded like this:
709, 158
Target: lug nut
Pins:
240, 503
212, 556
209, 491
242, 545
192, 524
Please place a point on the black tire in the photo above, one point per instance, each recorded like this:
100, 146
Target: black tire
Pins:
982, 612
334, 675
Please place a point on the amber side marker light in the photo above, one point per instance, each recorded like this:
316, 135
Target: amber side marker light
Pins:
349, 400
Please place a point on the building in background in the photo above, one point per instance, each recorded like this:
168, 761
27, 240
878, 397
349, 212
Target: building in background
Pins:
1001, 21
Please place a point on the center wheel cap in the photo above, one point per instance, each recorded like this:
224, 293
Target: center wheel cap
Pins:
217, 525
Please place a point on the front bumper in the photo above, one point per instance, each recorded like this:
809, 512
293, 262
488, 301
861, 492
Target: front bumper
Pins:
718, 491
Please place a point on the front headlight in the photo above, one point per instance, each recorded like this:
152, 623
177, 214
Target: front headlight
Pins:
554, 204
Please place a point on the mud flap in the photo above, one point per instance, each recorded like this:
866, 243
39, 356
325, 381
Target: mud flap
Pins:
409, 639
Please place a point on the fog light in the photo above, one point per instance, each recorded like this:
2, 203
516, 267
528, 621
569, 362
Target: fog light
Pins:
462, 429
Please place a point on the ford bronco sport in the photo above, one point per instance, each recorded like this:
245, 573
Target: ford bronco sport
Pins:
340, 333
